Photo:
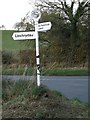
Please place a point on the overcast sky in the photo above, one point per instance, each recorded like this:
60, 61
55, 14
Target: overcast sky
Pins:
11, 11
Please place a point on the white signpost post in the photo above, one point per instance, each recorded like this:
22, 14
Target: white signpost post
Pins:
34, 35
36, 16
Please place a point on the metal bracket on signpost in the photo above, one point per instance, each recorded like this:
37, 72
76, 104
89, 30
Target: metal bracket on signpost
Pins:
36, 16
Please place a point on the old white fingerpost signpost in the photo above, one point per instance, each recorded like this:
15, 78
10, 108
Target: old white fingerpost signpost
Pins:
39, 27
36, 16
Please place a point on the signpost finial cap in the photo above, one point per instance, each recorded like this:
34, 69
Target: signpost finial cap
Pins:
36, 14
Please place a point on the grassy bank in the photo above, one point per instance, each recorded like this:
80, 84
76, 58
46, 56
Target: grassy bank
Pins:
66, 72
47, 72
23, 99
8, 43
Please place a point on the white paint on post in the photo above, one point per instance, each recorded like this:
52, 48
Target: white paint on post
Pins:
36, 16
37, 54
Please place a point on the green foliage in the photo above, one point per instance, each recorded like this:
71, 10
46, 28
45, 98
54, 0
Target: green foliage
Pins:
25, 88
76, 100
27, 57
43, 115
19, 87
38, 91
7, 86
67, 72
13, 89
58, 93
23, 99
46, 71
7, 57
68, 34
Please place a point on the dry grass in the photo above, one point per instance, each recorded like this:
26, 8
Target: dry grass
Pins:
38, 102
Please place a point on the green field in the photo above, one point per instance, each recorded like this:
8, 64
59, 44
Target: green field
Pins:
46, 72
8, 42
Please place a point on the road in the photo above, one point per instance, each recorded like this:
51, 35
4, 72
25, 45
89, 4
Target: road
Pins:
70, 86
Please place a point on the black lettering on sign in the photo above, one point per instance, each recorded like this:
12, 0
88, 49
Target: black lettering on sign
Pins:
24, 35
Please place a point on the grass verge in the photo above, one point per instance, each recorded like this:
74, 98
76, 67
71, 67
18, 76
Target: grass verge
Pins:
23, 99
47, 72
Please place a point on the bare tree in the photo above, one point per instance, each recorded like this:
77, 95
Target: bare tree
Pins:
72, 12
